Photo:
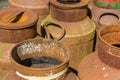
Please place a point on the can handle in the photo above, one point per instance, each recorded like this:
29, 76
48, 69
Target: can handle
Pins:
104, 14
46, 33
12, 15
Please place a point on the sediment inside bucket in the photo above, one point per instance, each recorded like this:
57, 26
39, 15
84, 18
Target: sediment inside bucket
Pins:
39, 55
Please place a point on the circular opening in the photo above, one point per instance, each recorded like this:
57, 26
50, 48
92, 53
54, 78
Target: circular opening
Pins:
39, 54
109, 19
69, 1
110, 35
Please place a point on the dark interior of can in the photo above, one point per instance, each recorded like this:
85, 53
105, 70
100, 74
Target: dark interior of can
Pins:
69, 1
51, 54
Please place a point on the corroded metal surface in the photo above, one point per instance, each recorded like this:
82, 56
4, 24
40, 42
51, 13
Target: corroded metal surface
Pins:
104, 64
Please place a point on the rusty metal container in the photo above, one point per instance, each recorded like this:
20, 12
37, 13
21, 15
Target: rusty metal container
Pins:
69, 24
105, 16
40, 59
17, 24
104, 64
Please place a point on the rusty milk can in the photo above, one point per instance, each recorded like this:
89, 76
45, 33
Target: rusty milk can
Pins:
40, 59
68, 23
104, 64
17, 24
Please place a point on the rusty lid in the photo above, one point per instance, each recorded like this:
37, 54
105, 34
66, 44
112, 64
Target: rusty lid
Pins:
68, 4
17, 18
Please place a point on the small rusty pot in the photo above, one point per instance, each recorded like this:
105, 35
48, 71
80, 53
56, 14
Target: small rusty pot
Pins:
75, 32
104, 16
17, 24
40, 59
104, 64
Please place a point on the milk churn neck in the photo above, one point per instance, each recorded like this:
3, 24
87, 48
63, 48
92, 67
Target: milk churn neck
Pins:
108, 46
68, 12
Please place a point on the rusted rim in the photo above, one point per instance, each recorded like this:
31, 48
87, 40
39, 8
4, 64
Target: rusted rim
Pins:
105, 14
113, 48
81, 4
63, 64
31, 19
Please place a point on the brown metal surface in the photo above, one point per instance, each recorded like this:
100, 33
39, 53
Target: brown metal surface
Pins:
48, 48
104, 64
107, 38
66, 11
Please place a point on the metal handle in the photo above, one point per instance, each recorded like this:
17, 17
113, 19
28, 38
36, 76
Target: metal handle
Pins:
46, 33
10, 19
